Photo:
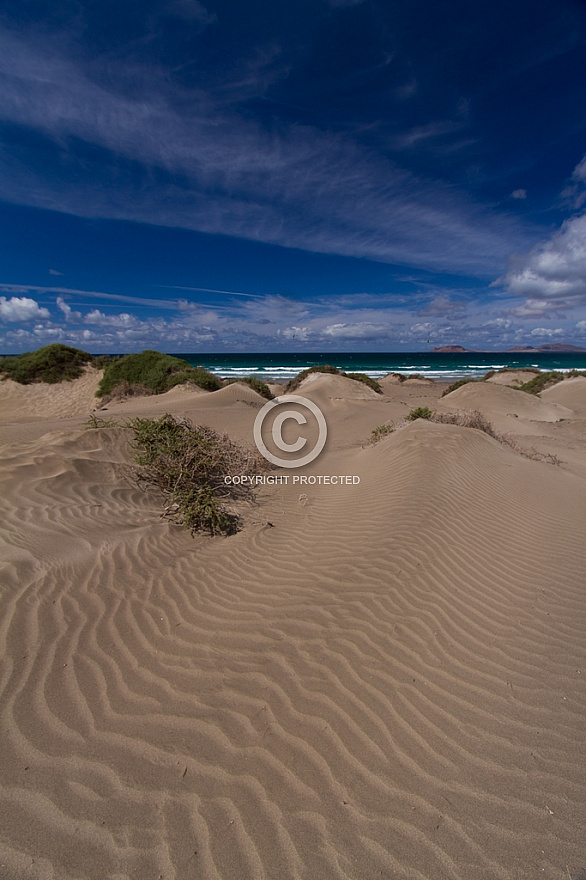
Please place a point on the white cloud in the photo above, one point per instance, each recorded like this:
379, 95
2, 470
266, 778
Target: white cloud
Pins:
552, 275
519, 194
21, 309
123, 320
300, 333
355, 331
70, 315
547, 331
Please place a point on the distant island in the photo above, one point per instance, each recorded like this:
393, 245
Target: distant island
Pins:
548, 346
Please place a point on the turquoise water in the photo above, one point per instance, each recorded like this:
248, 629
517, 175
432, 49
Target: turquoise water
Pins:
285, 365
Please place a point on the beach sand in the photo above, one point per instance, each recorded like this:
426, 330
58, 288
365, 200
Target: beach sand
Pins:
382, 680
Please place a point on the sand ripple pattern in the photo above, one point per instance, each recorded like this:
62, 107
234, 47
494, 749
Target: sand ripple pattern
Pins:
388, 682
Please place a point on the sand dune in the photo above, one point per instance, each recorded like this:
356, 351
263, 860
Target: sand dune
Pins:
570, 393
373, 680
323, 386
507, 408
512, 377
41, 401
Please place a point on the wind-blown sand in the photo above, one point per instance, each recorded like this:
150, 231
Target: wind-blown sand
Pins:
384, 680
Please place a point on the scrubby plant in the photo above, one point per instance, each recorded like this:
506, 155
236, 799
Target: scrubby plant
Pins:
400, 376
256, 384
467, 419
379, 432
457, 384
188, 464
296, 381
541, 382
53, 363
94, 421
489, 375
154, 371
101, 361
367, 380
421, 412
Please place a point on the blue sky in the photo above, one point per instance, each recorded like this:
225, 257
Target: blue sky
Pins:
296, 174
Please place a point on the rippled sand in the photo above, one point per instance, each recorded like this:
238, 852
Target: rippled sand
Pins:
384, 680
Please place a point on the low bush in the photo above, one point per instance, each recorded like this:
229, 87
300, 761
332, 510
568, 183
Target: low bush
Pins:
541, 382
467, 419
256, 384
458, 384
379, 432
52, 364
421, 412
294, 383
400, 376
367, 380
188, 464
154, 371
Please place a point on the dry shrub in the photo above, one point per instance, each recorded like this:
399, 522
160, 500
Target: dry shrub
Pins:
467, 418
188, 464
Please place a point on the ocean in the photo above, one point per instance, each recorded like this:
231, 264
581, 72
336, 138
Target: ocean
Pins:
434, 365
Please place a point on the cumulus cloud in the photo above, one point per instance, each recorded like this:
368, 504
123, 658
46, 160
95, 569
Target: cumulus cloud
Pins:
21, 309
552, 276
64, 307
547, 332
123, 320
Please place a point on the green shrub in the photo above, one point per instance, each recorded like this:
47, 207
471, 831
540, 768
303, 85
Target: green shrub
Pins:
421, 412
457, 384
402, 377
52, 364
101, 361
379, 432
294, 383
541, 382
188, 464
326, 368
154, 371
256, 384
367, 380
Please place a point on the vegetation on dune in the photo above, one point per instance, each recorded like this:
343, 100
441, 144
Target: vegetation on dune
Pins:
256, 384
400, 376
52, 364
294, 384
458, 384
462, 418
541, 382
188, 464
420, 412
153, 373
367, 380
547, 380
